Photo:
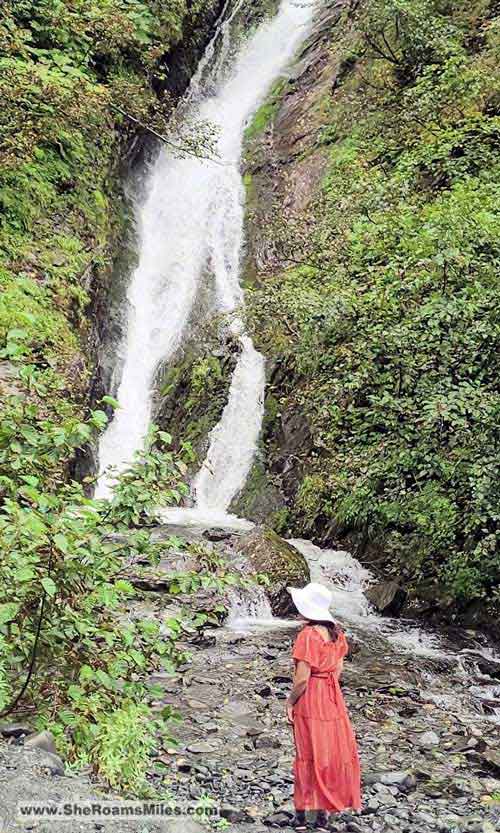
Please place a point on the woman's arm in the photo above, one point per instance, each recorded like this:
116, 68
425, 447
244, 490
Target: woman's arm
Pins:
300, 680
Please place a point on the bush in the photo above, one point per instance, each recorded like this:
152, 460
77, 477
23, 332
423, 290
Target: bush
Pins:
391, 323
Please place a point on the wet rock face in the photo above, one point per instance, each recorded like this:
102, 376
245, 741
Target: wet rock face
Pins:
191, 393
284, 170
388, 597
265, 552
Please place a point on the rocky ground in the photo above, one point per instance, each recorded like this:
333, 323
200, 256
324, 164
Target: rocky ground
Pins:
424, 706
426, 765
429, 757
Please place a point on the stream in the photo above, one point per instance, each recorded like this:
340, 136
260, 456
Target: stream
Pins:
423, 702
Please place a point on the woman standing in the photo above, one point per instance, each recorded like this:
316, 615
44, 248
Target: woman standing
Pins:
326, 767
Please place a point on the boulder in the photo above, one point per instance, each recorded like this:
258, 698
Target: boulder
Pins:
263, 551
388, 597
41, 740
52, 763
15, 730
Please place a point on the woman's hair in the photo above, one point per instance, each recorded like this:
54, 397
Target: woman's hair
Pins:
332, 627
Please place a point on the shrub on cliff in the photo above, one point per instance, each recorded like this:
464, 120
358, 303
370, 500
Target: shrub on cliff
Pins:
391, 324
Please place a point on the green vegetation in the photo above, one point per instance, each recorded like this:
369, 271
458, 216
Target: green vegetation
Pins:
195, 388
72, 554
391, 329
264, 115
67, 70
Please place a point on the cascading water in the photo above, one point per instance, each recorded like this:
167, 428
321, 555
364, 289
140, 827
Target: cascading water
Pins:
190, 226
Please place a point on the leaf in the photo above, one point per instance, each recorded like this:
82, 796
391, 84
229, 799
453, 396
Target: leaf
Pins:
14, 334
124, 586
99, 419
75, 692
61, 542
86, 673
25, 574
108, 400
8, 612
49, 586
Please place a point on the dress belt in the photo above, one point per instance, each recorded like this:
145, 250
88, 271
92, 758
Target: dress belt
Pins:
331, 676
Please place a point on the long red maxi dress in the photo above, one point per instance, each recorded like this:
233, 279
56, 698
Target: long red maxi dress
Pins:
326, 766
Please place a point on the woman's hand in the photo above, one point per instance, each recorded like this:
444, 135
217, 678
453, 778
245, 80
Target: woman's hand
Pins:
300, 680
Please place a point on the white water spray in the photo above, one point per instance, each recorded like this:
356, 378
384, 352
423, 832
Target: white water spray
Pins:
190, 226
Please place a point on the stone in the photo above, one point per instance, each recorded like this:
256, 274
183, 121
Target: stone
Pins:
267, 743
388, 597
254, 730
15, 730
428, 739
9, 374
387, 799
263, 551
53, 763
235, 815
280, 819
237, 708
390, 777
42, 740
201, 748
183, 825
491, 758
425, 817
216, 535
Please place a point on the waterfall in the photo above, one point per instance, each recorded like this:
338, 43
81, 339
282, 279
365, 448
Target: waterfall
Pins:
190, 229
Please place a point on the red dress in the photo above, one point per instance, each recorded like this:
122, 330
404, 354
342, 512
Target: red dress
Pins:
326, 766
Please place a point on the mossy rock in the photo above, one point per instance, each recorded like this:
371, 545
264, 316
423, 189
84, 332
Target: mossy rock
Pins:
268, 554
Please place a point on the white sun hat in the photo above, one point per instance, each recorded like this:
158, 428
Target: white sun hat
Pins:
313, 601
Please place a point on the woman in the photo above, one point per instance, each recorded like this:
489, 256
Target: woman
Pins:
326, 767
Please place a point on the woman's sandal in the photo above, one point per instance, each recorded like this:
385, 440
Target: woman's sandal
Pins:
322, 822
299, 822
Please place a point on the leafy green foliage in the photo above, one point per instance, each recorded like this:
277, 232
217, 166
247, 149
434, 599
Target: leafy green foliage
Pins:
391, 317
93, 658
56, 541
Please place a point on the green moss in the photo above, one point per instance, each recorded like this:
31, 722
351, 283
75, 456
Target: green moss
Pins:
249, 186
280, 520
265, 114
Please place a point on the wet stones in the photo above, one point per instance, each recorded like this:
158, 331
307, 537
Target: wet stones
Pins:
42, 740
52, 763
388, 597
15, 730
399, 777
201, 748
263, 551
